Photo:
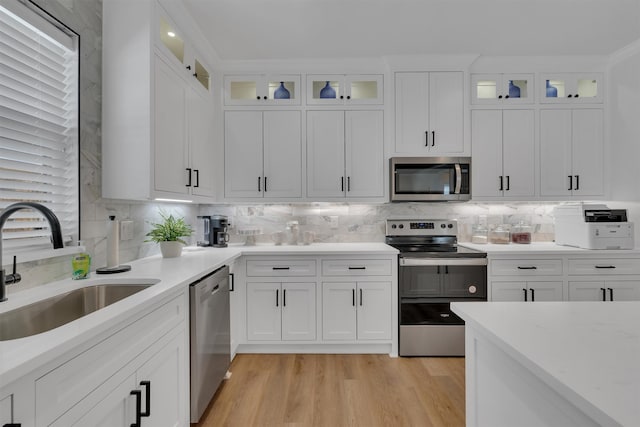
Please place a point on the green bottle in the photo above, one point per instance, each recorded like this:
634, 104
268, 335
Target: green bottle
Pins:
80, 265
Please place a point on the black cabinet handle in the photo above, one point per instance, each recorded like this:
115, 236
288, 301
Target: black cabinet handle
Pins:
569, 96
501, 183
357, 268
232, 281
348, 96
433, 138
577, 182
138, 395
284, 297
446, 269
189, 178
525, 294
508, 184
604, 294
499, 96
341, 96
197, 171
570, 182
188, 67
353, 297
610, 294
280, 268
533, 295
360, 297
259, 187
605, 266
342, 183
348, 183
147, 387
12, 425
438, 270
533, 267
506, 97
195, 75
258, 98
277, 297
576, 95
264, 97
426, 138
265, 184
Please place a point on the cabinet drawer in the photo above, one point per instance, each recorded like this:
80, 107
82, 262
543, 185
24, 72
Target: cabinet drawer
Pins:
306, 267
609, 267
63, 387
526, 267
356, 267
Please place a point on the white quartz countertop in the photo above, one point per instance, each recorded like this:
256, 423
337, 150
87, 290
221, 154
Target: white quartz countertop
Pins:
589, 352
20, 356
543, 248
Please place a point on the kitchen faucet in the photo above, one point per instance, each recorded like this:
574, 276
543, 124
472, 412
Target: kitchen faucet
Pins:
56, 237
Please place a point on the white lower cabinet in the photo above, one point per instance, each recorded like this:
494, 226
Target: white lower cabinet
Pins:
6, 411
526, 291
281, 311
356, 310
610, 290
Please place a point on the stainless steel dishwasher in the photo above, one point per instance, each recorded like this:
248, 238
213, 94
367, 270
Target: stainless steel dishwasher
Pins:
210, 337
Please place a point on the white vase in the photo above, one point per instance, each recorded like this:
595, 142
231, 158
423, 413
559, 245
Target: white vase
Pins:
171, 249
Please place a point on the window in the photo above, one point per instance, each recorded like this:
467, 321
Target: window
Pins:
39, 71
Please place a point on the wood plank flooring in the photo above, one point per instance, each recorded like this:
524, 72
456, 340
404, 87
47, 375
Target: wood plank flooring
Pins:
339, 390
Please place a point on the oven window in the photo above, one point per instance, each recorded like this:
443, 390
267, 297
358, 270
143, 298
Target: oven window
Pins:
428, 314
429, 179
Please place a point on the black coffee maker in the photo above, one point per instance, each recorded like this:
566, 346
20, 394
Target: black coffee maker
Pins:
214, 231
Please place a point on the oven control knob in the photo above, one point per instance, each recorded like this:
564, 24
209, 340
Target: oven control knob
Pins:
401, 226
443, 225
473, 289
450, 226
393, 226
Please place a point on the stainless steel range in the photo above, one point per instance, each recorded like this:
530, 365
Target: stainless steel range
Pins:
433, 271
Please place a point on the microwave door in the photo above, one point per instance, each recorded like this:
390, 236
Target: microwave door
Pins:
458, 178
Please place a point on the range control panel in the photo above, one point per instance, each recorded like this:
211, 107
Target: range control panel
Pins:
422, 227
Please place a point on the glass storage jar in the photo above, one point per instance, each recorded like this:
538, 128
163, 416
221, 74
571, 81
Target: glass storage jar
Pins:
479, 234
521, 233
500, 234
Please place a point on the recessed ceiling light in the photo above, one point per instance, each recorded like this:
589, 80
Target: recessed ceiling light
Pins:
171, 34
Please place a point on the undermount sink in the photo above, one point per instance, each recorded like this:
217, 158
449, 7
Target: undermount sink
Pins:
59, 310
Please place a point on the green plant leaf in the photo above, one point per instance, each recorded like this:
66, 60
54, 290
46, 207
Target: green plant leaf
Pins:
169, 230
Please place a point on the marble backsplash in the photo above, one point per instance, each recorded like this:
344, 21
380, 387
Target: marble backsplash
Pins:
366, 222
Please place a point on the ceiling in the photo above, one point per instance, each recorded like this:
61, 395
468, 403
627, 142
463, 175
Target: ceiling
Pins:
296, 29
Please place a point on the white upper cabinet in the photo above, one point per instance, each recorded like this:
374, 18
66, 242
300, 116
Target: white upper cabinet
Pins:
571, 152
338, 89
262, 89
429, 113
504, 89
572, 88
503, 153
263, 152
345, 154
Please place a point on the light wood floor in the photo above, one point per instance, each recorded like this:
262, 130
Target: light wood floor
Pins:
339, 390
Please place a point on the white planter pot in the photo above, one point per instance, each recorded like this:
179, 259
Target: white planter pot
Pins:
171, 249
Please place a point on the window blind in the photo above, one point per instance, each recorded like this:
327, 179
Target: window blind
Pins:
38, 125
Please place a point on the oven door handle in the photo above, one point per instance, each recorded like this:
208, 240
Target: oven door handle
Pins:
409, 262
458, 178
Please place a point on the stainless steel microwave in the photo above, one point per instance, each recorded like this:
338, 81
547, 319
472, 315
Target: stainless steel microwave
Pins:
430, 179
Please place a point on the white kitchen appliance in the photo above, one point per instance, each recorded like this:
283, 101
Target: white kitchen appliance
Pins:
593, 226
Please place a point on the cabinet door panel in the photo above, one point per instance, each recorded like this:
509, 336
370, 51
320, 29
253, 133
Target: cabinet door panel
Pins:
587, 291
545, 291
203, 149
325, 154
508, 291
338, 311
555, 152
486, 134
263, 311
587, 151
243, 153
518, 161
374, 311
623, 290
364, 153
282, 154
446, 112
298, 311
170, 151
412, 112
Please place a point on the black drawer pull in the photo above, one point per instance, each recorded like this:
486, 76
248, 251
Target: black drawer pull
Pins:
533, 267
525, 294
138, 395
605, 266
604, 294
147, 386
533, 295
357, 268
353, 297
610, 294
12, 425
281, 268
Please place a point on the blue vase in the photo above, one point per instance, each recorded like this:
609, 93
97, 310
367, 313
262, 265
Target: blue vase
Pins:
327, 91
552, 91
514, 91
281, 92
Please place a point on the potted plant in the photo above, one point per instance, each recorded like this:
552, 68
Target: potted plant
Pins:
169, 234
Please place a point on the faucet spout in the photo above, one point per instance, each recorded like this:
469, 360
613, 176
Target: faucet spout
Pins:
54, 226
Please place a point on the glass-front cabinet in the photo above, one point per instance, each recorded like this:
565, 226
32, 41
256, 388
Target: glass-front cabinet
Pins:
261, 89
502, 89
571, 88
344, 89
171, 41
